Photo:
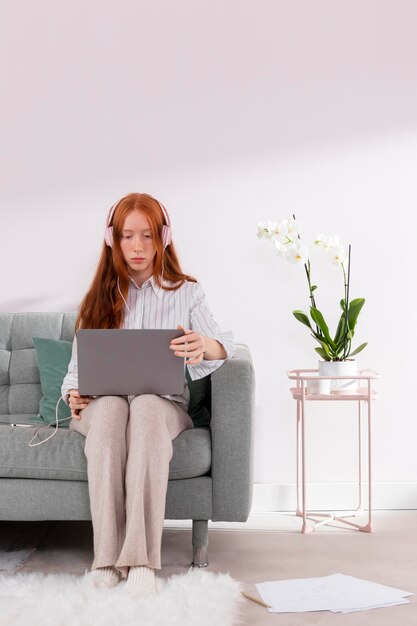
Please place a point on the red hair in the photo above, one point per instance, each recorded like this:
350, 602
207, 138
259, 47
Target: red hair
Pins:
102, 305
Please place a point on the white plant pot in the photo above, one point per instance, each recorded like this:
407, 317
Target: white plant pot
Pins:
340, 368
319, 386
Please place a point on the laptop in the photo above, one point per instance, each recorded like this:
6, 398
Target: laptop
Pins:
128, 361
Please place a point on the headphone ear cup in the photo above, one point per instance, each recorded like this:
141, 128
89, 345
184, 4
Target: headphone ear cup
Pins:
166, 235
108, 233
108, 236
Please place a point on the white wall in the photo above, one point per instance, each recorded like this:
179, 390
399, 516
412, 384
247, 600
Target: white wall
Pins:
230, 113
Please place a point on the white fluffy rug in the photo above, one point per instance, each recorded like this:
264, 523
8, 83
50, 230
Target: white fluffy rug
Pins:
196, 598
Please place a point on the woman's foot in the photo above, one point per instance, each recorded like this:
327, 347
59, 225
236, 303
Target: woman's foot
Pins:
141, 581
105, 576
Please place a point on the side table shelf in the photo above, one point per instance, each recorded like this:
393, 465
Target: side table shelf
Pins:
364, 394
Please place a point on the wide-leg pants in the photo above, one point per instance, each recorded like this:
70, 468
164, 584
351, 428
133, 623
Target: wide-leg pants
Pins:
128, 449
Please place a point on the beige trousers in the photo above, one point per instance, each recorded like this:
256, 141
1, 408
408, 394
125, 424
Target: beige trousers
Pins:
128, 450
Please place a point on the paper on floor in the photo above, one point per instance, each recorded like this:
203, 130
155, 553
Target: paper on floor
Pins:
336, 593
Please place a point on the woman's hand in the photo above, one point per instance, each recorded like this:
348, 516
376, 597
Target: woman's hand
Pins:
191, 345
77, 402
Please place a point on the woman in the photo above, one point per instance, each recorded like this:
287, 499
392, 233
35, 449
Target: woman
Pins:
139, 283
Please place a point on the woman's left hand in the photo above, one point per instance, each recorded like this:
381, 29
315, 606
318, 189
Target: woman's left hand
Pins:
191, 345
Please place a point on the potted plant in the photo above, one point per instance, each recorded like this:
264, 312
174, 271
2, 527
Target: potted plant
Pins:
335, 349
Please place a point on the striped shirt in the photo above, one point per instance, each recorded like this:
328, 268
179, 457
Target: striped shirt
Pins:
153, 307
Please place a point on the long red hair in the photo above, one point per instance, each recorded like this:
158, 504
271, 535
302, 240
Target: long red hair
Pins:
102, 305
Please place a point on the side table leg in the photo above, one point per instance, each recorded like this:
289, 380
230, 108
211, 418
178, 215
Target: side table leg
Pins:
298, 511
359, 509
369, 528
306, 528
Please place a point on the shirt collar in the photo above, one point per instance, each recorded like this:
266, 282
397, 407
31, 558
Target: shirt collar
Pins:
150, 281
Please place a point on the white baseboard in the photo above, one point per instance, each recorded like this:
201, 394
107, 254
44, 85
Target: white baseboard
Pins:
334, 496
271, 503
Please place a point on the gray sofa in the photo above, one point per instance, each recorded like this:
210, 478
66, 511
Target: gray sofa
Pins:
210, 474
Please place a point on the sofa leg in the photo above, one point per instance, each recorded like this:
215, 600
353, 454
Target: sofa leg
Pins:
200, 543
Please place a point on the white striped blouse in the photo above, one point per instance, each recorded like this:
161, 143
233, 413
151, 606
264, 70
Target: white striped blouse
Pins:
153, 307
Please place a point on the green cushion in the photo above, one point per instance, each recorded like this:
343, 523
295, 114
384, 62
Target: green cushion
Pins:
53, 356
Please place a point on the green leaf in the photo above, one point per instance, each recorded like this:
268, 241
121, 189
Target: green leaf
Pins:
342, 304
340, 329
361, 347
322, 353
302, 317
323, 343
354, 309
318, 318
314, 287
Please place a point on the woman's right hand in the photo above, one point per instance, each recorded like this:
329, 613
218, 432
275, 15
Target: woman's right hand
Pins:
77, 402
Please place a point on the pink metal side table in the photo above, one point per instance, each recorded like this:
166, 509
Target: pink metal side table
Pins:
364, 393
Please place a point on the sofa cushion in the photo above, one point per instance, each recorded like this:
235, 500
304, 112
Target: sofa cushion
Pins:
18, 418
63, 458
53, 356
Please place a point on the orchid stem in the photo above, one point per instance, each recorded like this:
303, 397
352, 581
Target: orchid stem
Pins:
346, 304
307, 269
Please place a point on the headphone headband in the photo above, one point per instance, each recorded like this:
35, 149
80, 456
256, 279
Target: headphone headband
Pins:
166, 228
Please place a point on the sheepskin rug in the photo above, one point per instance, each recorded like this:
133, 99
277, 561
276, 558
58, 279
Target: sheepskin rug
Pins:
196, 598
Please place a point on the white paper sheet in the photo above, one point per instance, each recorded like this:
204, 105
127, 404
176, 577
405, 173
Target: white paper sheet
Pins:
375, 606
336, 593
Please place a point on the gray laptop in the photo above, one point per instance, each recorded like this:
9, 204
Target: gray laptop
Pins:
128, 361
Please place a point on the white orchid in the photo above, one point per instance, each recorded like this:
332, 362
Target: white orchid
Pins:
280, 248
281, 230
262, 229
297, 253
337, 255
332, 245
321, 241
273, 230
327, 243
284, 235
293, 228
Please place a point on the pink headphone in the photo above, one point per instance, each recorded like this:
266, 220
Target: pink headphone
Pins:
166, 228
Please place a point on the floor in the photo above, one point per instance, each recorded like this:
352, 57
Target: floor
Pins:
267, 547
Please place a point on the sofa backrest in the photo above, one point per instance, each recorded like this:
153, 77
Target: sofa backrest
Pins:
20, 388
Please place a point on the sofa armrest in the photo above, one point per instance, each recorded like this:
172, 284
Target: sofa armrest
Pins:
232, 416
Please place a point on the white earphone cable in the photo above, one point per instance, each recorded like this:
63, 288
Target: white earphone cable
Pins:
63, 419
118, 286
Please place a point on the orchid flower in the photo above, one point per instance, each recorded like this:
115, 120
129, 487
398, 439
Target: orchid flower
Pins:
337, 255
297, 253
